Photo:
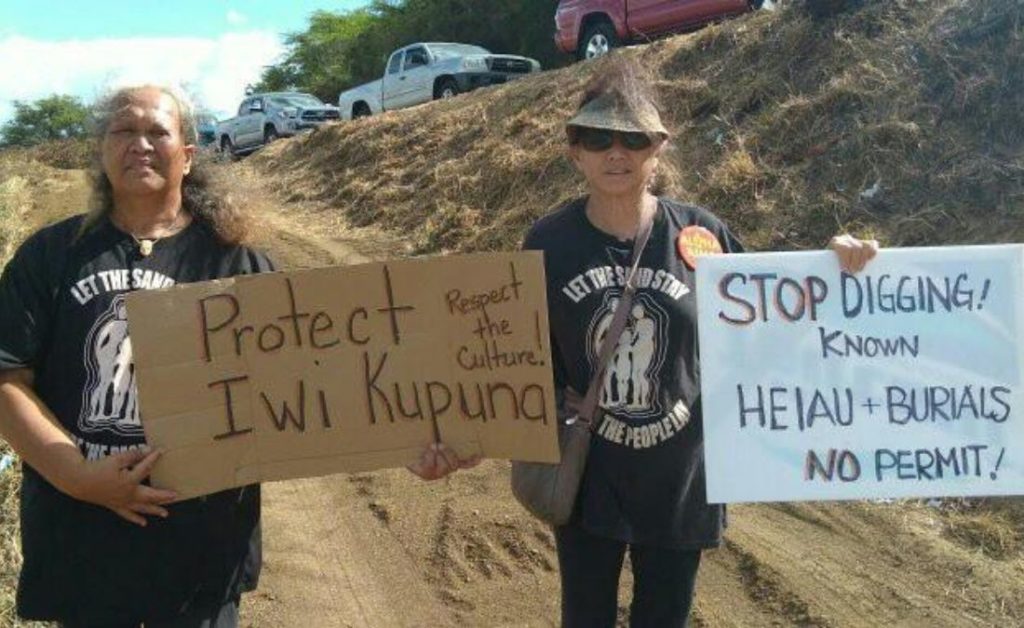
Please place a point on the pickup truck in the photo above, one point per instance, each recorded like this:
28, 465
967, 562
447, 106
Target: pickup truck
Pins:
262, 118
590, 28
429, 71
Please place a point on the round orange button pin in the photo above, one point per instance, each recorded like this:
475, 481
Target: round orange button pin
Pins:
695, 241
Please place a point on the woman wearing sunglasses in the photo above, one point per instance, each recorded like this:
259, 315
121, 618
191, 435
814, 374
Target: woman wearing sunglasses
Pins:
643, 488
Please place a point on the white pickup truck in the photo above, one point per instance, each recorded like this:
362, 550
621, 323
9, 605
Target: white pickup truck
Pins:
262, 118
429, 71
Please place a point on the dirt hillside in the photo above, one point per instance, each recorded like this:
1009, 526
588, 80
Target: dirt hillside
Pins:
904, 118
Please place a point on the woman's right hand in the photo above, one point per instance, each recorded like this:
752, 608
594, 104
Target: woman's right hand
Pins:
115, 482
438, 461
853, 253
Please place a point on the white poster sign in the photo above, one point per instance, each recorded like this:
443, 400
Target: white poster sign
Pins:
903, 380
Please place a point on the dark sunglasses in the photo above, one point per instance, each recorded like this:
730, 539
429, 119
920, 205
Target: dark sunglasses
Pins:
598, 140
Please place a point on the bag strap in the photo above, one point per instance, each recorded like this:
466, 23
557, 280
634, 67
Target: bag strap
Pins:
588, 408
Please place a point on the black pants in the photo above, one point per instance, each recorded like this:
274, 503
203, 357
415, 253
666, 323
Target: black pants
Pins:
663, 581
223, 617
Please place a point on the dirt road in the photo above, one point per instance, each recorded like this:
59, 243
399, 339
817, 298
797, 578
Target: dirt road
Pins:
385, 549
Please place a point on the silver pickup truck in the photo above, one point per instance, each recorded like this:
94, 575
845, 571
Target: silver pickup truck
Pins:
429, 71
262, 118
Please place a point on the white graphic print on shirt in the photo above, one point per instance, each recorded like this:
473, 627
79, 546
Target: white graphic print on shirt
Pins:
631, 381
110, 399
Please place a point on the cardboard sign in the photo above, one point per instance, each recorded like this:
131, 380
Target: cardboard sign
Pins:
903, 380
354, 368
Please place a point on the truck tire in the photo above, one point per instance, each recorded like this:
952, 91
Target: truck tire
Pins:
598, 40
227, 148
270, 134
361, 110
446, 89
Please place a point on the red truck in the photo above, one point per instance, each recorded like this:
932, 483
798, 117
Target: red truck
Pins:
590, 28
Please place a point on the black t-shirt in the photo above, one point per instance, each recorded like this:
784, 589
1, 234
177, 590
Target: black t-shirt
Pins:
644, 481
62, 315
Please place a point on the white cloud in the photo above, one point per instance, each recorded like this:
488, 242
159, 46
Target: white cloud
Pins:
215, 70
235, 18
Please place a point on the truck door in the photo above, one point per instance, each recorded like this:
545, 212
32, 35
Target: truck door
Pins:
252, 122
419, 86
701, 10
391, 85
235, 129
648, 16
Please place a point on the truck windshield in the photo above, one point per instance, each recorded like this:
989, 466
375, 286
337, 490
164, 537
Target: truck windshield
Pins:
296, 100
454, 51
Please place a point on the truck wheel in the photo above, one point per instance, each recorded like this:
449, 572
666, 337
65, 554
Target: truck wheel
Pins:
361, 110
270, 134
446, 89
597, 41
227, 148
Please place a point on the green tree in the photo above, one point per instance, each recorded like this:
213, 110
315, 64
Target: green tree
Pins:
55, 117
279, 78
318, 60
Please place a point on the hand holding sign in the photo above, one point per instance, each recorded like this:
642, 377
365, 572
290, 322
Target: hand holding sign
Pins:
438, 461
115, 482
853, 253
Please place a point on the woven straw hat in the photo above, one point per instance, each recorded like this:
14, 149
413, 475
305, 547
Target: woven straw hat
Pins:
616, 111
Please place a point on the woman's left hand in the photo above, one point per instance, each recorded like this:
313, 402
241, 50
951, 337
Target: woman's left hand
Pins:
440, 460
853, 254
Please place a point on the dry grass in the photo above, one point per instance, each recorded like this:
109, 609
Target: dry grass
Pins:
781, 123
63, 154
10, 550
995, 527
15, 204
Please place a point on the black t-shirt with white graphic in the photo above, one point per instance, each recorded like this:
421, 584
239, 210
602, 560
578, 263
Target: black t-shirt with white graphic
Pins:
644, 481
62, 314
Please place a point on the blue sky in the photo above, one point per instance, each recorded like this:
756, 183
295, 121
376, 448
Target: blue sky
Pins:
213, 47
52, 20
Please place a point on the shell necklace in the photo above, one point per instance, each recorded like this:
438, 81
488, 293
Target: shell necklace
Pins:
146, 244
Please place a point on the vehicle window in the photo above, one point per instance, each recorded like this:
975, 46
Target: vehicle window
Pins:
452, 51
415, 57
244, 107
396, 63
296, 100
257, 102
